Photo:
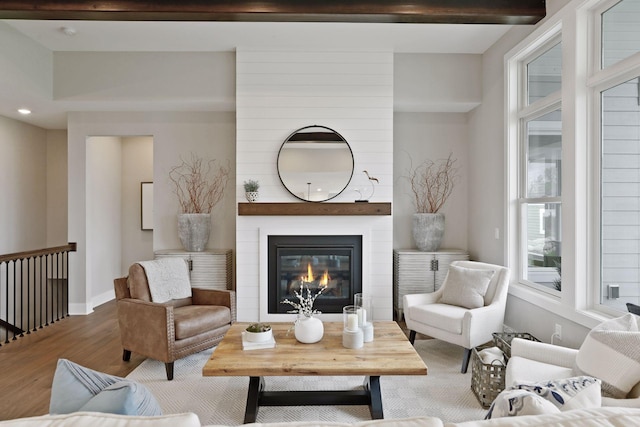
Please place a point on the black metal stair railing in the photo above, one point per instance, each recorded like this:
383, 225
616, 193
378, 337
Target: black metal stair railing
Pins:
34, 290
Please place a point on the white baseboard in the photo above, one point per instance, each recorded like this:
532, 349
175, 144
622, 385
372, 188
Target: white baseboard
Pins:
102, 298
80, 309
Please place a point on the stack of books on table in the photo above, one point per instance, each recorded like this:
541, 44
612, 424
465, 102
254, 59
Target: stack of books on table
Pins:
247, 345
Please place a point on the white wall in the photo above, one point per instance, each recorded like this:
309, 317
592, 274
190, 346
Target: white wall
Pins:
104, 206
418, 137
436, 82
281, 91
209, 134
117, 165
56, 187
156, 81
137, 167
23, 183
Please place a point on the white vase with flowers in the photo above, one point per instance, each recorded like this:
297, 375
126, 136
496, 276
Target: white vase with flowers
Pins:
308, 329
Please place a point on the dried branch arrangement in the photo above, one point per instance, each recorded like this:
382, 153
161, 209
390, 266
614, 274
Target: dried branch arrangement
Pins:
305, 306
432, 183
199, 185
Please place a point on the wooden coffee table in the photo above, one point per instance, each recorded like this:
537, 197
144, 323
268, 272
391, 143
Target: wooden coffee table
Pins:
390, 353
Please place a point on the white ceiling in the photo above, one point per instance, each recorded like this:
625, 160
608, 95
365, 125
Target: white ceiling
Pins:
121, 36
227, 36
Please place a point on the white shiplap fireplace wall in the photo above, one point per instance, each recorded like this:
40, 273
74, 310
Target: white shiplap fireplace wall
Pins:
278, 92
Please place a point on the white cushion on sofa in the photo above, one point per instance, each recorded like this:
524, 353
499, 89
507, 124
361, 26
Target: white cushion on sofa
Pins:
100, 419
596, 417
400, 422
521, 369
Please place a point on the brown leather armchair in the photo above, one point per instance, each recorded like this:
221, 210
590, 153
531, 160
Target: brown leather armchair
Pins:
171, 330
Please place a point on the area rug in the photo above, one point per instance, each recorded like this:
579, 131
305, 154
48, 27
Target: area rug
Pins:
444, 393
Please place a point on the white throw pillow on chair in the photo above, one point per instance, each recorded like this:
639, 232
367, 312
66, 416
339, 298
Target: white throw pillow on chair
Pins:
466, 287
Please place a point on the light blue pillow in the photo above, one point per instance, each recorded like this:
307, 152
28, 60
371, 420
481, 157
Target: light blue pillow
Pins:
123, 398
76, 388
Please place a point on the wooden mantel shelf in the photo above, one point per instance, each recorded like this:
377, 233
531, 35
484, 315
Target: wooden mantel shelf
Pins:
310, 208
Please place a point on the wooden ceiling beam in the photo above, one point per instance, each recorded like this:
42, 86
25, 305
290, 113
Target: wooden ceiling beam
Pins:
512, 12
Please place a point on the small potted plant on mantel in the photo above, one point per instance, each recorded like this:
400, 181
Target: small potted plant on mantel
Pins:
432, 183
251, 190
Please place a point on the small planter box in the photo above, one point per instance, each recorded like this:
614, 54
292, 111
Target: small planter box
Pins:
487, 379
503, 340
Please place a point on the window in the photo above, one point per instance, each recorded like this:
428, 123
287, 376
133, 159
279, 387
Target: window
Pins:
544, 74
538, 167
620, 193
541, 202
620, 29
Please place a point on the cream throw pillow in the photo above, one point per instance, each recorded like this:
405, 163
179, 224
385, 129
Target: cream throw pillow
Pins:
465, 287
611, 352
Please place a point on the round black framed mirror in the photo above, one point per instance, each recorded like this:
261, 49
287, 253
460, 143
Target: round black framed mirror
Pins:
315, 163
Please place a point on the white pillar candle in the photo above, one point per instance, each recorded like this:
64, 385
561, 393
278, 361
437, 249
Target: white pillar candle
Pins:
362, 316
352, 322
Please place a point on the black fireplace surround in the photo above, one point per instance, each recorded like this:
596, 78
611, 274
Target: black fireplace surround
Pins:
316, 261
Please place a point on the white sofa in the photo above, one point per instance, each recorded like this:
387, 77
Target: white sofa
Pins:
611, 417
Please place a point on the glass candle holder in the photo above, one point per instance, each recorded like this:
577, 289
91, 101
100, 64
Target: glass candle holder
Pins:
350, 318
352, 336
364, 310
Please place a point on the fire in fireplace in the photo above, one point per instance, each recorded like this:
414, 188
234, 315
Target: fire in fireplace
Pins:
331, 262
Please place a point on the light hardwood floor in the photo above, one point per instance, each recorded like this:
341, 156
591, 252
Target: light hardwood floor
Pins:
27, 364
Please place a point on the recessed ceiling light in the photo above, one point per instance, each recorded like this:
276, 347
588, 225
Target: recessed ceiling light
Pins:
24, 111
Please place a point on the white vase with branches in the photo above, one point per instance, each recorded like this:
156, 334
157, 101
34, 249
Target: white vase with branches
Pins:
199, 186
432, 182
307, 328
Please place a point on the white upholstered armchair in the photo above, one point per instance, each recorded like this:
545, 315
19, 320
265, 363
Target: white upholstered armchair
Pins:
466, 318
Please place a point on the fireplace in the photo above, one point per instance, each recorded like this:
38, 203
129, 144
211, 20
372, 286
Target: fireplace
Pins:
333, 262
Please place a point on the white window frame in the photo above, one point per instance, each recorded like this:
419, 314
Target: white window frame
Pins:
520, 112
